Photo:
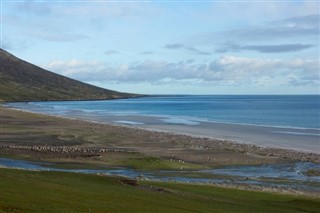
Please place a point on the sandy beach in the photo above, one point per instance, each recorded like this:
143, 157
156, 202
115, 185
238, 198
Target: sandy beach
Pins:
293, 139
298, 139
181, 142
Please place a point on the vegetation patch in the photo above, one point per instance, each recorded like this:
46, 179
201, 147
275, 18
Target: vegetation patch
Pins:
154, 163
312, 172
30, 191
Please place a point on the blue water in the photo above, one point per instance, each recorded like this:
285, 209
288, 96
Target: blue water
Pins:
299, 111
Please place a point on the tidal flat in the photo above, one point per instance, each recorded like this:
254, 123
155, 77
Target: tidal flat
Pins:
77, 144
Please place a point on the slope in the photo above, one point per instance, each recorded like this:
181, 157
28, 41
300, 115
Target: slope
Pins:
23, 81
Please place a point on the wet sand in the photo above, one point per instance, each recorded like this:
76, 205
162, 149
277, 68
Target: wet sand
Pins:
43, 136
298, 139
285, 138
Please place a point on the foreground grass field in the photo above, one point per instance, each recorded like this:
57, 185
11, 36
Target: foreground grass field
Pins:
31, 191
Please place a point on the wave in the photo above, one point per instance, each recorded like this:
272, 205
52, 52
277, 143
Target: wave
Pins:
129, 122
297, 133
176, 120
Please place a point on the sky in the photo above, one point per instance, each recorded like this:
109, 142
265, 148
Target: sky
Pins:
171, 47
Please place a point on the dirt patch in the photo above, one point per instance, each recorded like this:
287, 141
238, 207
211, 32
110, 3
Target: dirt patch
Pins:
129, 182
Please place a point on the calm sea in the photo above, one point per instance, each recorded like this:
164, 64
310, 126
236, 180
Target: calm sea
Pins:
299, 111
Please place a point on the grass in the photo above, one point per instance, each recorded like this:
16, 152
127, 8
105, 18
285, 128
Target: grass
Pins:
29, 191
128, 160
153, 163
132, 160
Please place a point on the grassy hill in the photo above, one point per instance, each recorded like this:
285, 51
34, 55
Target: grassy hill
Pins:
22, 81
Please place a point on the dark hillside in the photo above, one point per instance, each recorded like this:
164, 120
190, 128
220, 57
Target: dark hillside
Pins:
22, 81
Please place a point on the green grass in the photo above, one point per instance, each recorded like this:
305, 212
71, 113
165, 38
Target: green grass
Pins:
154, 163
29, 191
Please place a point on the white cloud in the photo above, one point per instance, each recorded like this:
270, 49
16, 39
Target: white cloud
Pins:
255, 71
226, 70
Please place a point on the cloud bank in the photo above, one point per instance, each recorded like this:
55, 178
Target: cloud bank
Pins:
226, 70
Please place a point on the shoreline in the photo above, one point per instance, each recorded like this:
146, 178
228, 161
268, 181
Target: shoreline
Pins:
298, 139
233, 133
78, 143
199, 142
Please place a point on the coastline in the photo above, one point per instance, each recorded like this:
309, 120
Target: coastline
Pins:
76, 143
282, 137
261, 136
196, 141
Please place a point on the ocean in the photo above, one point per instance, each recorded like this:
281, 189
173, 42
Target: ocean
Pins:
297, 111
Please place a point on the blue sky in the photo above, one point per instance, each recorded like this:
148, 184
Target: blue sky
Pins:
171, 47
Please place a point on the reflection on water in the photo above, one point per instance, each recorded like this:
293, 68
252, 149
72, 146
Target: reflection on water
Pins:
290, 175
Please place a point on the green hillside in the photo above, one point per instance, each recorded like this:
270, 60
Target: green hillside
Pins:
22, 81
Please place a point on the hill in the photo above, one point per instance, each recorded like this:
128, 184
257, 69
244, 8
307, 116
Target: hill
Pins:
23, 81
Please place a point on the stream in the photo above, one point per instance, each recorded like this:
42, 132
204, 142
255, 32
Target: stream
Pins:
286, 175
